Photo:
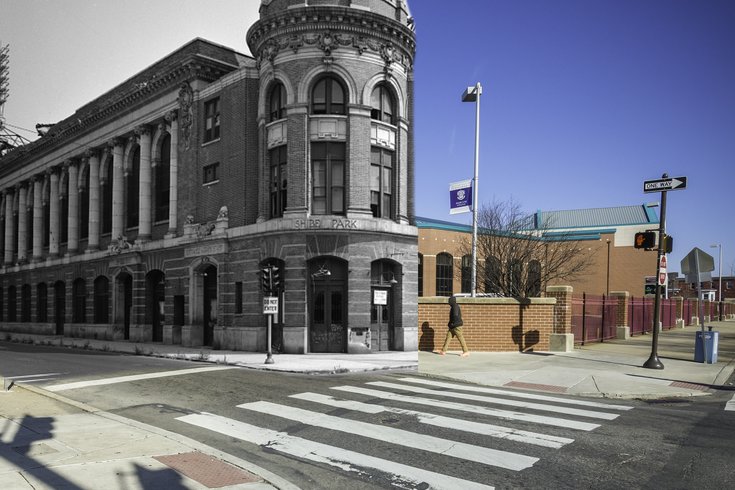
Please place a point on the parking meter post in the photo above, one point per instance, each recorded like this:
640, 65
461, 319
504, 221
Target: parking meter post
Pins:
269, 357
653, 361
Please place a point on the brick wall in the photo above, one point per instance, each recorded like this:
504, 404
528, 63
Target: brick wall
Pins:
490, 324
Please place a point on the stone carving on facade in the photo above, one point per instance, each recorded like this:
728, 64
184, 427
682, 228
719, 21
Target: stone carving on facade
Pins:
186, 113
223, 213
119, 245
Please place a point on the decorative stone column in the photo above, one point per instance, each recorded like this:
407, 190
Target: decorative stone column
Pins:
118, 189
37, 218
562, 340
144, 188
173, 178
9, 242
22, 222
54, 225
93, 240
73, 217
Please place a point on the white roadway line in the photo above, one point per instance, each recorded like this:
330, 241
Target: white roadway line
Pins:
32, 376
497, 431
516, 394
445, 447
499, 401
349, 461
135, 377
474, 409
730, 406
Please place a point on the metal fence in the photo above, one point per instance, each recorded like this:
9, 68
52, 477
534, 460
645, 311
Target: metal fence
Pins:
594, 317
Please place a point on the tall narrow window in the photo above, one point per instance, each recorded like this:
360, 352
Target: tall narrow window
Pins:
25, 303
211, 120
64, 217
46, 223
383, 106
80, 301
133, 190
467, 274
381, 182
328, 97
12, 304
277, 102
421, 274
107, 199
101, 300
328, 178
162, 171
41, 303
84, 206
238, 298
278, 182
444, 274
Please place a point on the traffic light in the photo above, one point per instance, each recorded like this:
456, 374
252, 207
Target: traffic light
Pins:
275, 278
266, 280
668, 244
645, 239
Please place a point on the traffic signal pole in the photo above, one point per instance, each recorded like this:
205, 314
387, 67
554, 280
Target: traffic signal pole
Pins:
653, 361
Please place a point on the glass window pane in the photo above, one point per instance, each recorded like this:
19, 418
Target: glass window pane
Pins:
336, 308
319, 308
374, 178
338, 200
387, 180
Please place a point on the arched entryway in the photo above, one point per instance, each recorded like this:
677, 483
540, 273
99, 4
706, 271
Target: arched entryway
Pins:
327, 305
385, 295
59, 306
155, 297
209, 295
124, 302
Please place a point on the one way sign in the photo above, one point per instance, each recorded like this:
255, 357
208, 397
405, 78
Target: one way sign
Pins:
661, 185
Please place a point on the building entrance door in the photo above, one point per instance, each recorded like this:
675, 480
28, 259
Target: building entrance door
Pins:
380, 318
59, 306
328, 306
210, 304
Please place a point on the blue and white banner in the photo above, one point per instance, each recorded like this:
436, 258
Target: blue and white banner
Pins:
460, 197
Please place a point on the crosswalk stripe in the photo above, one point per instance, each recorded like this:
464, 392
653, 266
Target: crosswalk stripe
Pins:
499, 401
350, 461
730, 406
469, 452
475, 409
515, 394
497, 431
135, 377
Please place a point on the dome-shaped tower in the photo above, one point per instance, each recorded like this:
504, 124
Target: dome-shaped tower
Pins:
336, 163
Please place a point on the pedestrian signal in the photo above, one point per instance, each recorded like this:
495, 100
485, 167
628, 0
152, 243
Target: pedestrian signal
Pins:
645, 239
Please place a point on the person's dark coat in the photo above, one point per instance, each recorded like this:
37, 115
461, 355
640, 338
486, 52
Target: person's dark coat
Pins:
455, 314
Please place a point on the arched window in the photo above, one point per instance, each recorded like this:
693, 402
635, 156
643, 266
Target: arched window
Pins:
41, 303
102, 300
80, 301
383, 105
328, 97
277, 102
515, 278
107, 199
421, 274
382, 166
25, 303
493, 276
133, 189
162, 172
467, 274
444, 274
533, 288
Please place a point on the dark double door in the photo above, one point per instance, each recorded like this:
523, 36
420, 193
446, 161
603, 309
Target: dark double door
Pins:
328, 326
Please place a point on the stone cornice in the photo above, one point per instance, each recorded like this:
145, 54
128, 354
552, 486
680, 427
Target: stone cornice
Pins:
331, 29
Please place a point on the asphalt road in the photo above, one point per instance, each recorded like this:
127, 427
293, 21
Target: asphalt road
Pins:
671, 444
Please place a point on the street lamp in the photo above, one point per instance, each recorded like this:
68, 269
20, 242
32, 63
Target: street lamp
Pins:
472, 94
719, 272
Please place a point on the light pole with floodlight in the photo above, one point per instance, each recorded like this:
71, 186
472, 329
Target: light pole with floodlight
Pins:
472, 94
719, 272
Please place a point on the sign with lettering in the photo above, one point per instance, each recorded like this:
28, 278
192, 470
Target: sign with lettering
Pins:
380, 297
270, 305
460, 197
661, 185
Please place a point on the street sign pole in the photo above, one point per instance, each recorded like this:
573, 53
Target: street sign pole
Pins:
269, 357
653, 361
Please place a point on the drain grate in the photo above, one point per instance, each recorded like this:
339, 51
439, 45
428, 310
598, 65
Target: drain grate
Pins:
207, 470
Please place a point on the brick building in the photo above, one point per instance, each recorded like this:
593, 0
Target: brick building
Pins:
149, 214
608, 233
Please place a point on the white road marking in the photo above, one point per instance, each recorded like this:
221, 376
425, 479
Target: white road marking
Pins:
497, 431
468, 452
475, 409
499, 401
402, 475
514, 394
730, 406
33, 376
135, 377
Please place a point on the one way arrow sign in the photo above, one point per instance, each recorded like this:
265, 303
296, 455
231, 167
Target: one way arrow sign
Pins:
661, 185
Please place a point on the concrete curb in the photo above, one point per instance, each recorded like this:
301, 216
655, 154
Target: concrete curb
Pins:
272, 478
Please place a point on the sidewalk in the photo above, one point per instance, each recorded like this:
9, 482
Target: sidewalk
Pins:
49, 442
610, 369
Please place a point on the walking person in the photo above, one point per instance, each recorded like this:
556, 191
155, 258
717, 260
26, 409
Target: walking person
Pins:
455, 328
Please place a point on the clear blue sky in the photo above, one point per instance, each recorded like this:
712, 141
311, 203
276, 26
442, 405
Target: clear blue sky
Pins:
583, 99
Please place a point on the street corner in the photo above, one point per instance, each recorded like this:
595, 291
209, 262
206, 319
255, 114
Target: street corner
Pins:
208, 470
